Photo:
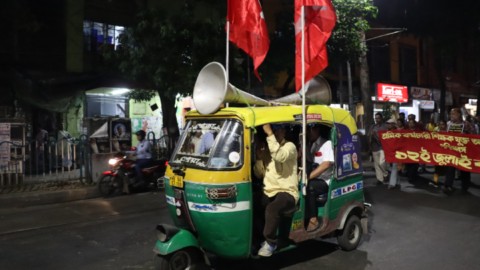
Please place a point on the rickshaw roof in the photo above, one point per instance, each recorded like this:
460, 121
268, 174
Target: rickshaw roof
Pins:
282, 114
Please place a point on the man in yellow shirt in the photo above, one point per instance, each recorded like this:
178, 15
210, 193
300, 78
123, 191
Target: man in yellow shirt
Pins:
278, 168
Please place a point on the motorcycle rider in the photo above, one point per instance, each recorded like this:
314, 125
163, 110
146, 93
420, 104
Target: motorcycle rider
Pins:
144, 155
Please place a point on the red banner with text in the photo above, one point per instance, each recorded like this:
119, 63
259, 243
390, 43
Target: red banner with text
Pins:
435, 148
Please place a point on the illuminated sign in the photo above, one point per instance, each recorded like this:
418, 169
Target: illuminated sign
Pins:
390, 92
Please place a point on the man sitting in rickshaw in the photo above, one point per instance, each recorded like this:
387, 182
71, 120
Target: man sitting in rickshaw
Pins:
278, 168
320, 160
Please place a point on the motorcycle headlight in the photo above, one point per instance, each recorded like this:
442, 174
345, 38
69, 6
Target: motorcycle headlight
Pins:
113, 162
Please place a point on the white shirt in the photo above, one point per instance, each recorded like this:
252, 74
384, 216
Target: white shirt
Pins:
320, 154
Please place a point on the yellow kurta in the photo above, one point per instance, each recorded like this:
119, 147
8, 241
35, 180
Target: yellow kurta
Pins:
280, 173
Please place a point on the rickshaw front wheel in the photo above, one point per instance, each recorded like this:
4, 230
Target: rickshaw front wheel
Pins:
184, 259
349, 238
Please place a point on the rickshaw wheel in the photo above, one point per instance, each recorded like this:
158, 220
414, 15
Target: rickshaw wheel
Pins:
349, 238
184, 259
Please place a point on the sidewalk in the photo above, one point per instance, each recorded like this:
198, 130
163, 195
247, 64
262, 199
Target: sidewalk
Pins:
46, 193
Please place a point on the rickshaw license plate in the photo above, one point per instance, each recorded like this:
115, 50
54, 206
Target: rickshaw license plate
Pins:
176, 181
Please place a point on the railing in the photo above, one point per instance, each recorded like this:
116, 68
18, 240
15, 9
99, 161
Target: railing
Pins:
39, 162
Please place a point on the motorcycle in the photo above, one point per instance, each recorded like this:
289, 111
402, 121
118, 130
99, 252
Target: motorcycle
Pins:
122, 177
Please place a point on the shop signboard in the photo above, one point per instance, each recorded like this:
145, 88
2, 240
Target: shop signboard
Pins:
448, 97
5, 147
390, 92
421, 93
427, 104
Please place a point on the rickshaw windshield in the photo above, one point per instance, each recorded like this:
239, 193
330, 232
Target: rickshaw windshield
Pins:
211, 144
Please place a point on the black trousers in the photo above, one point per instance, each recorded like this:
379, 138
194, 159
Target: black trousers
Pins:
315, 187
450, 178
275, 207
412, 171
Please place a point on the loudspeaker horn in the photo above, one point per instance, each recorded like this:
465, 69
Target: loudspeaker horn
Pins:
212, 90
318, 89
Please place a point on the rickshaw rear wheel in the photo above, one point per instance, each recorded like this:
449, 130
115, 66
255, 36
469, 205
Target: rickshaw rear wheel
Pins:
184, 259
349, 238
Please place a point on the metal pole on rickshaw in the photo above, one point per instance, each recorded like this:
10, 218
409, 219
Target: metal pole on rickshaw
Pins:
304, 116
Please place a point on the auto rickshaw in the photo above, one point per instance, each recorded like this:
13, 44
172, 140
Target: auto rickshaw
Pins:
209, 188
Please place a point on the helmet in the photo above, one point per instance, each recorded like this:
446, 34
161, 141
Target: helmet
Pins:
141, 133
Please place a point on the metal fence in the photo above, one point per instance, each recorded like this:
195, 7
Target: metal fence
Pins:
68, 159
37, 162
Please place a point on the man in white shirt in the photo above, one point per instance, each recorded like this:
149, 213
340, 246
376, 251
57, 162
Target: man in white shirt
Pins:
197, 140
320, 155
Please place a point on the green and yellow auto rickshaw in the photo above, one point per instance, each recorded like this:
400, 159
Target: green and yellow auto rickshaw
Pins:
209, 185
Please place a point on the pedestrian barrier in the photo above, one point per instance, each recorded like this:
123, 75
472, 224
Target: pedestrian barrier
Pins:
40, 162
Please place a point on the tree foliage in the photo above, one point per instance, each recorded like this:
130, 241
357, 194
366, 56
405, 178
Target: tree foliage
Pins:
167, 51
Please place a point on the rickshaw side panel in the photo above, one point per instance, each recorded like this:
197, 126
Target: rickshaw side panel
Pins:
344, 191
348, 183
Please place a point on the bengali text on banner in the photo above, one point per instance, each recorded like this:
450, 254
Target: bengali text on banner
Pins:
435, 148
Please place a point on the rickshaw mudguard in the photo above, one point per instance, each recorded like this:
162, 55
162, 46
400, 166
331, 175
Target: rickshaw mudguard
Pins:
180, 240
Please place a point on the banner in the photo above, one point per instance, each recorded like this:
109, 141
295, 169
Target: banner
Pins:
435, 148
319, 20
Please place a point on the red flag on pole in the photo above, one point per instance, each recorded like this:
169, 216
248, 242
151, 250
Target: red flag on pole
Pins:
320, 18
248, 29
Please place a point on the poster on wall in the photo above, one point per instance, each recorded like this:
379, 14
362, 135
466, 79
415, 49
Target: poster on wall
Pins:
348, 158
5, 147
121, 135
148, 124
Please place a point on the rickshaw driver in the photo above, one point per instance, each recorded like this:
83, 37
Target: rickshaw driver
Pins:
321, 158
279, 173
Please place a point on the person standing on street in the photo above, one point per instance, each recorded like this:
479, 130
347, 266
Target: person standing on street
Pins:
456, 119
439, 170
377, 149
394, 176
418, 126
412, 168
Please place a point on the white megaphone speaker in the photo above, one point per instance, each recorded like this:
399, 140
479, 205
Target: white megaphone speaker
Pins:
318, 90
212, 90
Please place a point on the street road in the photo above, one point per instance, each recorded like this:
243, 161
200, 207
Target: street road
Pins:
415, 227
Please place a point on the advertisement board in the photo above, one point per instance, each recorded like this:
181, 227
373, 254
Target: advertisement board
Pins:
348, 158
421, 93
391, 92
427, 104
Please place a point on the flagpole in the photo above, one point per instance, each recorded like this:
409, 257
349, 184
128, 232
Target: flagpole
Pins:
228, 53
304, 116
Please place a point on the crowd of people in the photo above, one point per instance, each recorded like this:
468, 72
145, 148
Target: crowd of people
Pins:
411, 170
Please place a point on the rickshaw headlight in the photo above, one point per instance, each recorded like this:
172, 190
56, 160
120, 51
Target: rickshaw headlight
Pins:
222, 192
165, 232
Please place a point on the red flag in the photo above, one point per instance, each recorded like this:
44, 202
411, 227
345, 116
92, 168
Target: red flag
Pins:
320, 18
248, 29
